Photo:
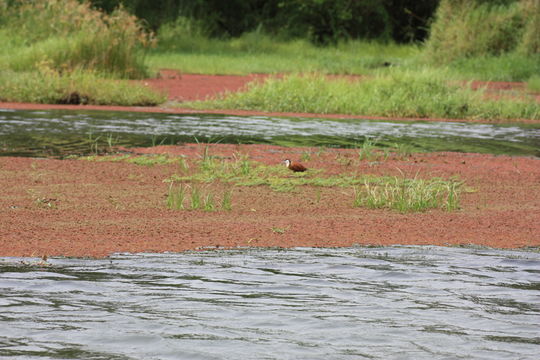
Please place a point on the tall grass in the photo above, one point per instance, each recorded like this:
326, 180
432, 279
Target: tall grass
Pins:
71, 35
259, 53
407, 195
482, 28
50, 87
395, 94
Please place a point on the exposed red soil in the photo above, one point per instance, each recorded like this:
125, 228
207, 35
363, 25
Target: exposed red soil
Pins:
82, 208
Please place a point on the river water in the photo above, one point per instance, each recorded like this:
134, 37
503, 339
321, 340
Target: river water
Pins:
57, 133
351, 303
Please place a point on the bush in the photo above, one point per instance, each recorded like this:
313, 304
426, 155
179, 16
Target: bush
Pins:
50, 87
70, 35
476, 28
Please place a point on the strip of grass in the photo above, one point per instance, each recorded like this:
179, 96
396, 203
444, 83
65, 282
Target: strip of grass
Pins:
397, 94
397, 193
49, 87
259, 53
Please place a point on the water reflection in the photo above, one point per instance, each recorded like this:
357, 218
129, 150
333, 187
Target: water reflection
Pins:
397, 302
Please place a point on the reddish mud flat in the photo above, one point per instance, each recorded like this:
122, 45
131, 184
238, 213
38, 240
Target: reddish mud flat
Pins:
88, 208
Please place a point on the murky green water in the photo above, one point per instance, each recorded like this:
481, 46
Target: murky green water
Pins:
351, 303
59, 133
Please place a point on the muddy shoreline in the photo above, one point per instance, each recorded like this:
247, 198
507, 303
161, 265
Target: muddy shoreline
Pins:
88, 208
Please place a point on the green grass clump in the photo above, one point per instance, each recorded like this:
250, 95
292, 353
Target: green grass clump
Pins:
533, 84
72, 35
176, 196
395, 94
50, 87
198, 200
476, 28
406, 195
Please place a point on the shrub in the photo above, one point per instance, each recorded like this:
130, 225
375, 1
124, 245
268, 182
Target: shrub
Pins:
476, 28
71, 35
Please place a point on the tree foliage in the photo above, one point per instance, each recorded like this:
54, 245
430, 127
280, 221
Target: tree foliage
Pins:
322, 21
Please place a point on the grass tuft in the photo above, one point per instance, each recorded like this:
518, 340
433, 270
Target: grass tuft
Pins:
408, 195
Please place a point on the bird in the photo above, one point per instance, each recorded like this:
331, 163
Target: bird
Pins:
294, 166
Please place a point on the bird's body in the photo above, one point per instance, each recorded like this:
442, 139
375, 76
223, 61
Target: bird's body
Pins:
294, 166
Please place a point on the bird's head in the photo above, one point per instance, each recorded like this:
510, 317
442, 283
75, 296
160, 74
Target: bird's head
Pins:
287, 162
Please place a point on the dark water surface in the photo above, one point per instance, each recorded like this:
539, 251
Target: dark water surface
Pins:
351, 303
60, 133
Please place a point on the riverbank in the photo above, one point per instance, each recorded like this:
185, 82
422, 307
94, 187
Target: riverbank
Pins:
95, 208
181, 88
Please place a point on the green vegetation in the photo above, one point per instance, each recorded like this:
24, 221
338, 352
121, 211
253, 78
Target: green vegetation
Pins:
71, 35
481, 28
259, 53
69, 53
400, 194
534, 84
198, 200
407, 195
400, 94
72, 52
50, 87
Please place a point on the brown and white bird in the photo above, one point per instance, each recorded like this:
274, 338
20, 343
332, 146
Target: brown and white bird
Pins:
294, 166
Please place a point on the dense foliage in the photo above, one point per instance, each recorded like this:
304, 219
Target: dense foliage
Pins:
479, 28
322, 21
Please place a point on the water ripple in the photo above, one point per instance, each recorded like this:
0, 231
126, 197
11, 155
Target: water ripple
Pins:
373, 303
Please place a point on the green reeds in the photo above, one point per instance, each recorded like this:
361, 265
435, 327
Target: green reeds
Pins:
197, 199
176, 196
409, 195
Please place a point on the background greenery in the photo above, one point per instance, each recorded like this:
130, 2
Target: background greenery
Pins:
71, 50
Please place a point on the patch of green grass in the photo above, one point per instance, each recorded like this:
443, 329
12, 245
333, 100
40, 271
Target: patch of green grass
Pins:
402, 194
226, 202
396, 94
533, 84
259, 53
49, 87
144, 160
505, 67
195, 198
150, 160
279, 230
176, 196
73, 35
409, 195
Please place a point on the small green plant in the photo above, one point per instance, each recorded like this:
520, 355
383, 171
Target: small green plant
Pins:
306, 156
279, 230
195, 198
94, 143
367, 151
176, 196
183, 165
403, 150
226, 202
111, 141
154, 140
208, 203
